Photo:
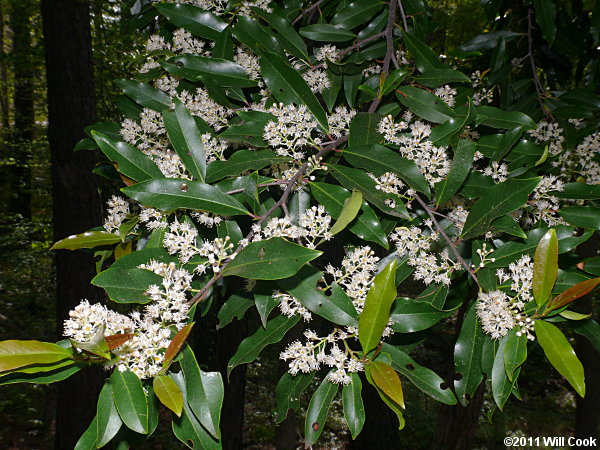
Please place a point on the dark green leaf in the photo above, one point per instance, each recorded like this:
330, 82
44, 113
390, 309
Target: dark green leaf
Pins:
579, 191
437, 77
459, 170
130, 400
515, 353
265, 303
363, 129
409, 316
196, 67
349, 211
545, 16
127, 285
326, 33
235, 307
144, 94
287, 35
425, 104
241, 161
354, 410
316, 414
107, 417
197, 21
467, 356
591, 330
425, 57
496, 118
582, 216
502, 386
288, 392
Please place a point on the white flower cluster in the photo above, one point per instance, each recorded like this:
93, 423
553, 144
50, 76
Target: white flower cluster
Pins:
549, 133
446, 94
209, 220
339, 121
153, 219
497, 171
545, 205
292, 131
389, 182
118, 209
217, 6
458, 216
327, 52
214, 148
290, 306
482, 94
86, 321
583, 160
217, 252
500, 312
310, 356
248, 61
432, 161
317, 80
200, 104
181, 240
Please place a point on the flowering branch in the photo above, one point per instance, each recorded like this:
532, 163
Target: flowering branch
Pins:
448, 240
326, 148
307, 11
353, 47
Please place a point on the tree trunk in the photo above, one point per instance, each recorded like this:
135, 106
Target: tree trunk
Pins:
23, 70
4, 108
71, 106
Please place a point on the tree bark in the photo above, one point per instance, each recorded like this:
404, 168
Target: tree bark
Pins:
71, 107
4, 107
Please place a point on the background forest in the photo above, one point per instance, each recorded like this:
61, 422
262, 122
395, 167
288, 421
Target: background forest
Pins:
58, 63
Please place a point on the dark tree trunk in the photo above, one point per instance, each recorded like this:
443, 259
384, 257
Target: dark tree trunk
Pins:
71, 106
381, 424
4, 108
23, 70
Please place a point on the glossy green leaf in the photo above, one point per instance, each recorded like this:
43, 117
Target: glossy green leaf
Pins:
497, 118
316, 414
545, 16
287, 35
89, 239
168, 194
354, 409
130, 400
425, 104
196, 67
323, 32
409, 316
131, 162
515, 352
235, 307
379, 159
582, 216
459, 170
579, 191
15, 354
168, 393
425, 58
387, 380
450, 130
288, 391
467, 356
197, 21
127, 285
258, 39
507, 224
366, 226
146, 95
497, 201
437, 77
376, 312
89, 439
356, 13
186, 139
288, 86
107, 417
349, 211
358, 179
591, 330
423, 378
363, 129
48, 374
251, 347
272, 259
241, 161
560, 354
545, 268
337, 307
502, 386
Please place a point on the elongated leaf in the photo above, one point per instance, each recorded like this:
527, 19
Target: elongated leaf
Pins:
497, 201
130, 400
579, 191
241, 161
204, 392
449, 131
423, 378
425, 104
502, 386
176, 344
409, 316
287, 35
288, 391
107, 419
127, 286
168, 194
356, 13
288, 86
197, 21
47, 375
89, 239
591, 330
560, 354
545, 268
144, 94
582, 216
467, 356
363, 129
358, 179
235, 307
168, 393
116, 340
185, 137
379, 160
251, 347
459, 170
351, 207
376, 312
386, 379
437, 77
272, 259
326, 33
196, 67
545, 16
131, 162
336, 308
265, 303
257, 38
515, 352
89, 439
573, 293
366, 226
497, 118
425, 57
354, 409
316, 414
15, 354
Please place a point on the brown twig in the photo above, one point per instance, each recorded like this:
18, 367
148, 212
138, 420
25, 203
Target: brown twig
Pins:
536, 80
403, 15
307, 11
447, 239
327, 147
389, 52
273, 183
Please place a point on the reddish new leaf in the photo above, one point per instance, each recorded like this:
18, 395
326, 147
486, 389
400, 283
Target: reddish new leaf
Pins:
573, 293
116, 340
177, 343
